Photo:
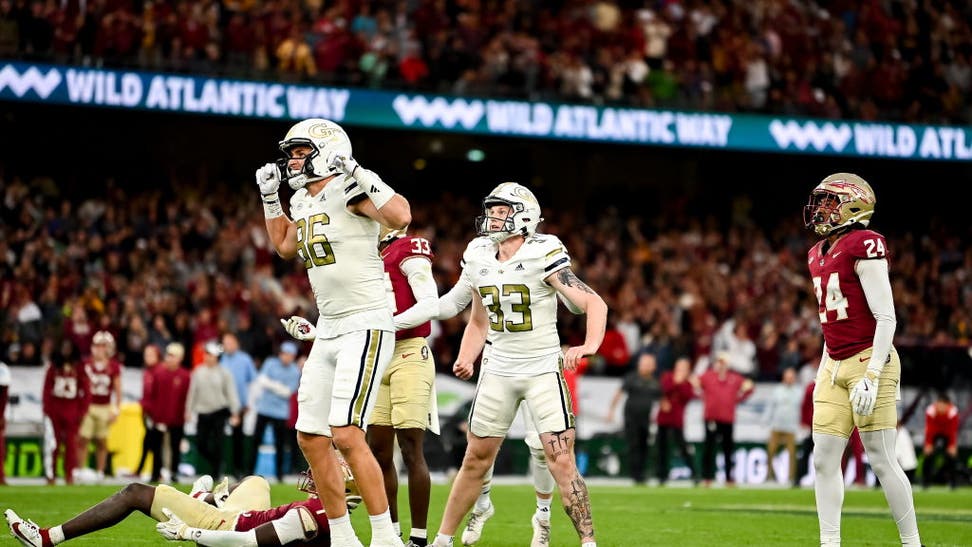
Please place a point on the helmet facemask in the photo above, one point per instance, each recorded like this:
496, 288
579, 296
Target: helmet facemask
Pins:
305, 483
297, 179
509, 225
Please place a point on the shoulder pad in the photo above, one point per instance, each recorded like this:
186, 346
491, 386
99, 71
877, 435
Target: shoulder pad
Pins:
865, 244
298, 196
550, 250
476, 248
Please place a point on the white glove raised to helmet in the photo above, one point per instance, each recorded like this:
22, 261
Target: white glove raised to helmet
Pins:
268, 178
173, 528
344, 164
863, 396
299, 328
376, 189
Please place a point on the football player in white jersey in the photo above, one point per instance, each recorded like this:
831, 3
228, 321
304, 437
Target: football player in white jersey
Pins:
450, 305
337, 208
516, 274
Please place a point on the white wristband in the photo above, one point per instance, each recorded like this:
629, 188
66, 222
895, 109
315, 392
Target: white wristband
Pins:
271, 206
376, 189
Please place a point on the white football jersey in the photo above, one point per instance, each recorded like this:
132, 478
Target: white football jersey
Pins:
340, 252
521, 306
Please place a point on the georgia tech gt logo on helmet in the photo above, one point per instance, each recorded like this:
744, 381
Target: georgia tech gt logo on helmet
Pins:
323, 137
524, 215
838, 202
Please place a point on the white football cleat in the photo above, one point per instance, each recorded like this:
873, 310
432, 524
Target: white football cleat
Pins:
202, 484
392, 541
474, 527
541, 532
25, 531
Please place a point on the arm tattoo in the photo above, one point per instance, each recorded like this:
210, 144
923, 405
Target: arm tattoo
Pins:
578, 507
569, 278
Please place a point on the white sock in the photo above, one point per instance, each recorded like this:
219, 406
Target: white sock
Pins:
56, 534
419, 533
543, 508
381, 525
444, 540
483, 502
397, 526
897, 488
829, 485
341, 527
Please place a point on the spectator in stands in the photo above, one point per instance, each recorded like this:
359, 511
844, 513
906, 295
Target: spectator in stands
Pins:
678, 388
740, 350
941, 435
276, 383
722, 389
642, 390
168, 404
213, 399
243, 371
66, 397
783, 419
614, 350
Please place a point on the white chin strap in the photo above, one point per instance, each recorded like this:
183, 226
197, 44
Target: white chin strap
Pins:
498, 237
300, 180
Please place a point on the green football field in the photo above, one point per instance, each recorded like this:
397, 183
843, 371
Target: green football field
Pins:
623, 516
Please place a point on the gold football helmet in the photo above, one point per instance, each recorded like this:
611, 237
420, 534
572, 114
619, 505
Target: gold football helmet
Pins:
387, 235
838, 202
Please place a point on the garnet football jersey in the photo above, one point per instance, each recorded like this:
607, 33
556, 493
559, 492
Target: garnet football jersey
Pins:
847, 322
66, 390
249, 520
102, 379
402, 298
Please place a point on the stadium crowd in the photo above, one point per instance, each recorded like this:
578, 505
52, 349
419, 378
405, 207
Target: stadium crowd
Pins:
152, 270
897, 60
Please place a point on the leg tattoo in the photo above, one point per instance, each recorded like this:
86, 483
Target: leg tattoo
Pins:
578, 508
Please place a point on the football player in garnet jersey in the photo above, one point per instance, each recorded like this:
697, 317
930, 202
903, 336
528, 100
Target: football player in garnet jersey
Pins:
231, 515
403, 408
104, 375
857, 382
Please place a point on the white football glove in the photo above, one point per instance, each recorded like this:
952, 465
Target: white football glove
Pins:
337, 162
299, 328
268, 178
173, 528
863, 395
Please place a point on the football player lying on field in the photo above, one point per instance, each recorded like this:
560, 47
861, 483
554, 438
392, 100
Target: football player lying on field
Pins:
238, 515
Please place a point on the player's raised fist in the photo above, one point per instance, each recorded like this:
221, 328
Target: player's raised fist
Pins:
268, 178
